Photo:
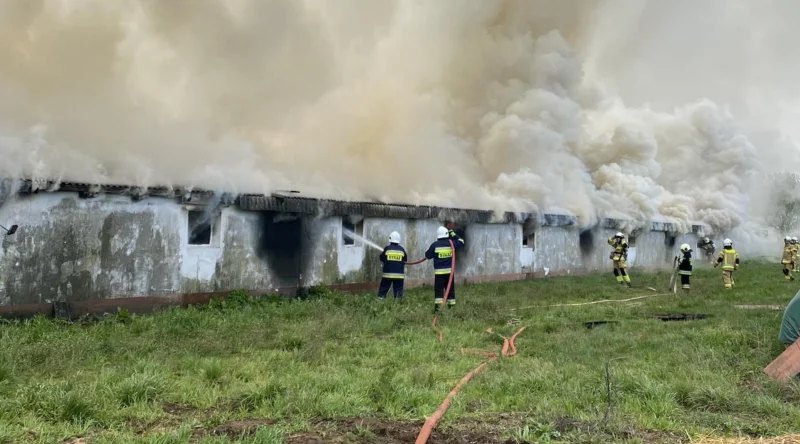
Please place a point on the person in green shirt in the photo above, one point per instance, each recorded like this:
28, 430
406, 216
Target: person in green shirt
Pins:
790, 325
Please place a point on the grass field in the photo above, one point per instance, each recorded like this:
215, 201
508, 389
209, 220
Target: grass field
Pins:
348, 368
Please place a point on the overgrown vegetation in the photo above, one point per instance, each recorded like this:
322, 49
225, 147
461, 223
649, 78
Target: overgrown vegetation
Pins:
267, 370
785, 195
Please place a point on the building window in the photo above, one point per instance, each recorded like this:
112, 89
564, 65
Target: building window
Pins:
670, 240
528, 240
352, 232
199, 228
631, 241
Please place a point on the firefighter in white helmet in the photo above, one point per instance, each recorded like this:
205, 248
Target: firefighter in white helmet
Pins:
729, 259
787, 258
394, 260
707, 246
684, 261
442, 255
619, 256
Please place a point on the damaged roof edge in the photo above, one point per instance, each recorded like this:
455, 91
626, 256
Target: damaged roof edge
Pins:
290, 203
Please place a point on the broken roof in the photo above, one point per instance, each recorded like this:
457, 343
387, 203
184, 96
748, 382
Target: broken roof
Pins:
294, 202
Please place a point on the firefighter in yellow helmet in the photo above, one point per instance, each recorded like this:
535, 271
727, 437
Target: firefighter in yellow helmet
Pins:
619, 256
787, 258
729, 259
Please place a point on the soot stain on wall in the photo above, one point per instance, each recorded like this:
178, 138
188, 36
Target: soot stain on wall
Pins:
586, 242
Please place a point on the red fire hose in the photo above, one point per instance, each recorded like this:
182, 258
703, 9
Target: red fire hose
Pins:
449, 283
430, 423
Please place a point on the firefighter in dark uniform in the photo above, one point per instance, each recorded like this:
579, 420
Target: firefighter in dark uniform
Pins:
442, 255
708, 247
394, 260
685, 266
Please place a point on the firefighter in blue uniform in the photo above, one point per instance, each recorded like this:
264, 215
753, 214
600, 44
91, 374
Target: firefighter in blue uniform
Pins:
685, 267
394, 260
442, 255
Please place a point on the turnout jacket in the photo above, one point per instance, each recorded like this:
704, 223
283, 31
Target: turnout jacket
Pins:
788, 254
685, 263
729, 259
394, 260
442, 254
707, 247
620, 251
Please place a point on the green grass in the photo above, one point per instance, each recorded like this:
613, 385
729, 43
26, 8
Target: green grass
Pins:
179, 375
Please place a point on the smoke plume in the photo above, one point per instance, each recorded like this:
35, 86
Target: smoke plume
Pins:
588, 107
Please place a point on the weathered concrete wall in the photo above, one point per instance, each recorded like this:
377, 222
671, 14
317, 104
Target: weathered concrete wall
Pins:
237, 262
556, 250
595, 249
490, 249
69, 248
109, 246
73, 249
651, 249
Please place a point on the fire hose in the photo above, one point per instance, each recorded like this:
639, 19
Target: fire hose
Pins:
449, 284
430, 423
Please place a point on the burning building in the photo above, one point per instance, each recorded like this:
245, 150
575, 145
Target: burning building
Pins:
84, 248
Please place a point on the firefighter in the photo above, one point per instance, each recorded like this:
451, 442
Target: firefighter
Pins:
787, 258
796, 252
729, 259
684, 261
442, 255
618, 257
394, 260
708, 247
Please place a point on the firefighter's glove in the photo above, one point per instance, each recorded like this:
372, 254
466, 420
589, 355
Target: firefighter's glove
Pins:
452, 234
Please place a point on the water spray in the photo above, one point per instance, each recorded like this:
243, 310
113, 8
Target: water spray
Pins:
366, 241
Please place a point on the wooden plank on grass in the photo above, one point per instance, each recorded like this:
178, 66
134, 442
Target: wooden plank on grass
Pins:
787, 365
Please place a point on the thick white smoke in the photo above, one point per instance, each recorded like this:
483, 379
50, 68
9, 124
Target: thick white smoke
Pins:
498, 104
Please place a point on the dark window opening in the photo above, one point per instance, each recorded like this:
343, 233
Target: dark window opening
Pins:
670, 241
528, 240
586, 241
631, 241
281, 245
199, 228
351, 232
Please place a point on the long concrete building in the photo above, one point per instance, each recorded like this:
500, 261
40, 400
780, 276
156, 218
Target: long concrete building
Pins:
84, 248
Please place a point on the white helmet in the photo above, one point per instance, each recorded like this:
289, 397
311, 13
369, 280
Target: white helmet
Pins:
685, 248
706, 239
727, 243
794, 239
787, 239
619, 235
394, 237
441, 233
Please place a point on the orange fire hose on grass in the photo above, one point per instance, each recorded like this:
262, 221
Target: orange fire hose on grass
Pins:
431, 422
